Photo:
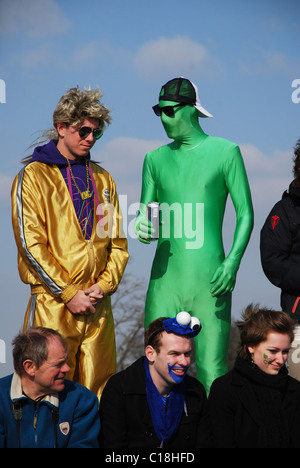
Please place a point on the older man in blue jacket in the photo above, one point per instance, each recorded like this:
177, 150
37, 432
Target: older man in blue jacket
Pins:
38, 407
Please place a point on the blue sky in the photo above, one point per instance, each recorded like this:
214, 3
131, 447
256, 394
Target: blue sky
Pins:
243, 56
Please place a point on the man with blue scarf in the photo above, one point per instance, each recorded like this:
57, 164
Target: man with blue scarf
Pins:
154, 402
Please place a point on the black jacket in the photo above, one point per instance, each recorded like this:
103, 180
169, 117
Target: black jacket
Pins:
126, 420
280, 249
236, 415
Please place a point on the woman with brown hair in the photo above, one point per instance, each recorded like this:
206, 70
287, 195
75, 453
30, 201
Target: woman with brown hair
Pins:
257, 404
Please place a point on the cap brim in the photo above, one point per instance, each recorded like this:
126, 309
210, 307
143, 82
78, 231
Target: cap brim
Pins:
202, 112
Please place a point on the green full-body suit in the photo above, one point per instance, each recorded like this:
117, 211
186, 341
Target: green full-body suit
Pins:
191, 178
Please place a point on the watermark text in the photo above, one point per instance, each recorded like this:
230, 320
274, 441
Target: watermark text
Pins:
178, 221
2, 92
296, 94
2, 352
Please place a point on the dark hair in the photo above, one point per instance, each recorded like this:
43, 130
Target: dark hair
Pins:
33, 345
296, 169
153, 333
258, 323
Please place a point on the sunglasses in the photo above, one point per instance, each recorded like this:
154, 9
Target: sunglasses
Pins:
168, 110
85, 131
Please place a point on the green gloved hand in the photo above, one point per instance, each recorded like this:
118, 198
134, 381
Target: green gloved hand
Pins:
143, 229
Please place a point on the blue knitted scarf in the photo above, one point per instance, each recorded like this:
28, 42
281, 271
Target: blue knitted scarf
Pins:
165, 416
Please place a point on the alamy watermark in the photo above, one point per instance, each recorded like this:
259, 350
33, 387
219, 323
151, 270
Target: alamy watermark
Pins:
179, 221
2, 352
2, 92
296, 94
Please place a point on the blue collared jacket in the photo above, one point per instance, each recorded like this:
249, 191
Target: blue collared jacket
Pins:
68, 419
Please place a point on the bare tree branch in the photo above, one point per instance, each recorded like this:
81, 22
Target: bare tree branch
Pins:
128, 305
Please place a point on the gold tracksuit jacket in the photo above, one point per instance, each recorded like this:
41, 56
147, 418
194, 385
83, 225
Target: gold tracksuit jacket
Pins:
56, 261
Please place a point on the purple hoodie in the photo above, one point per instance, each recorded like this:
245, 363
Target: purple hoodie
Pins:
49, 154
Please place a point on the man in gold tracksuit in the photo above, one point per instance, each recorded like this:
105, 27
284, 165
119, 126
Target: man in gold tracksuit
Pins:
72, 250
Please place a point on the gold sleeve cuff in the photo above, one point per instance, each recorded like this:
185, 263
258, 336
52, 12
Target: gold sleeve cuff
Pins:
105, 287
69, 293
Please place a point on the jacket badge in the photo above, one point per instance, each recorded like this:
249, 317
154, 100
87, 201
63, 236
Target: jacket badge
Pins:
274, 221
64, 427
106, 195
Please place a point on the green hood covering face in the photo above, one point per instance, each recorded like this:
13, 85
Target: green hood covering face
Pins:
183, 127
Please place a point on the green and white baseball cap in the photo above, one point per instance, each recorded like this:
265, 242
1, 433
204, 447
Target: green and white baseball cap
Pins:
184, 91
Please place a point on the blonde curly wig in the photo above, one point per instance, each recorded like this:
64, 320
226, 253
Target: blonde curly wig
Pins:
72, 108
75, 105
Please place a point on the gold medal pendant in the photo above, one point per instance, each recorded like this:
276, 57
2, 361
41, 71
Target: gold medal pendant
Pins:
85, 195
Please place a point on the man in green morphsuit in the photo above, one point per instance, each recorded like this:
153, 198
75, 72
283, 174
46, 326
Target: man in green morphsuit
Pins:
191, 178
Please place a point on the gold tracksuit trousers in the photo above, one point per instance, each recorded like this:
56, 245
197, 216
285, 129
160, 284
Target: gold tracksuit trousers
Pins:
91, 342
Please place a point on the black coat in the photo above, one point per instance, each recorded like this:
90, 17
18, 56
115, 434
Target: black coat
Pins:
280, 249
236, 417
126, 420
